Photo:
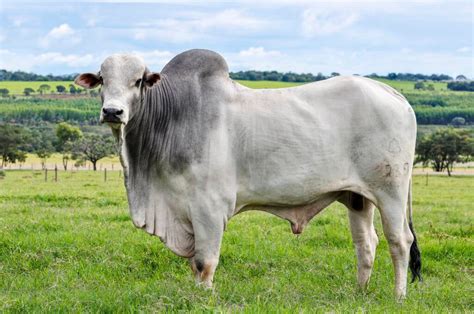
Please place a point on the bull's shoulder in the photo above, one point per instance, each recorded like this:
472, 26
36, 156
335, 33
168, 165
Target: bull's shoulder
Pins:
197, 61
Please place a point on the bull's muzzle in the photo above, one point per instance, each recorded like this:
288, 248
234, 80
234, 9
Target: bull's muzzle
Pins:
112, 115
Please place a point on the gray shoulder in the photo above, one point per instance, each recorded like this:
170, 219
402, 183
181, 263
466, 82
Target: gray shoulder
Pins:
202, 61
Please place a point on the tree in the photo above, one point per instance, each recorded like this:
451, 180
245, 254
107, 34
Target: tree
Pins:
419, 85
461, 78
4, 92
461, 86
444, 147
335, 74
28, 91
44, 154
13, 143
67, 135
61, 89
44, 148
72, 89
93, 147
44, 88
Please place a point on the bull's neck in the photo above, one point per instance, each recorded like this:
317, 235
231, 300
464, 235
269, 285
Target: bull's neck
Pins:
152, 138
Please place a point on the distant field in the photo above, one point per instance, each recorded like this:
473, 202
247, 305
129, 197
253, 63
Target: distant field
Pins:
409, 86
17, 87
33, 161
440, 106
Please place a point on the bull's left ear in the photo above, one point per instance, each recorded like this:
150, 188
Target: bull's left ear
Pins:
152, 78
88, 80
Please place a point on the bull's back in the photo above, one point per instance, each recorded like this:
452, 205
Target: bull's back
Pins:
298, 142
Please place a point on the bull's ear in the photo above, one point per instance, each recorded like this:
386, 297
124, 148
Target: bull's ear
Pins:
152, 78
88, 80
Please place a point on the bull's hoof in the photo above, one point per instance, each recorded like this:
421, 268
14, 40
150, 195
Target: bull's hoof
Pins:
206, 285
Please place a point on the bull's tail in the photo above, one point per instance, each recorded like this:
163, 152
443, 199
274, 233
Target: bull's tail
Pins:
415, 255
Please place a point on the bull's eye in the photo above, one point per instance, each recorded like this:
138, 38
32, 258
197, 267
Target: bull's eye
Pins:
137, 83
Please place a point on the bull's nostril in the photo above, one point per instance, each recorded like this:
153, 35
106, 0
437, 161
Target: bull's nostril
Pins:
104, 110
119, 112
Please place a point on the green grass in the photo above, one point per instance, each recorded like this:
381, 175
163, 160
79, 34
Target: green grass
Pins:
69, 246
409, 86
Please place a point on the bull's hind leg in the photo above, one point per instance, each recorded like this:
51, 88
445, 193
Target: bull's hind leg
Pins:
399, 237
364, 237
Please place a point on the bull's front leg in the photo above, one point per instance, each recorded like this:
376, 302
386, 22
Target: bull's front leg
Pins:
208, 231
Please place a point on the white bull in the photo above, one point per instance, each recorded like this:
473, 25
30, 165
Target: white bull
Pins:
198, 148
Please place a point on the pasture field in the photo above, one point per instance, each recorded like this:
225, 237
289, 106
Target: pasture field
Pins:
431, 107
17, 87
409, 86
70, 246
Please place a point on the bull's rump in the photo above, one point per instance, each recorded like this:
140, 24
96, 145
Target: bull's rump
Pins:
294, 144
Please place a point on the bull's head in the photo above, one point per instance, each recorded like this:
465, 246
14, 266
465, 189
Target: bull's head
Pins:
123, 77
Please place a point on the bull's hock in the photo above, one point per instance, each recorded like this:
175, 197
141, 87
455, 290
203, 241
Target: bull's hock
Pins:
198, 148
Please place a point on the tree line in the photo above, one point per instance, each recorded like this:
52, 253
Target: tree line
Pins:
16, 141
413, 77
461, 86
25, 76
250, 75
44, 89
440, 149
278, 76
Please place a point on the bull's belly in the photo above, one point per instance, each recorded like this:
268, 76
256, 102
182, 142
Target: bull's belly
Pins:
293, 186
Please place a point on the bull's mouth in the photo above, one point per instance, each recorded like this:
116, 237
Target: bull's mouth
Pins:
114, 123
111, 120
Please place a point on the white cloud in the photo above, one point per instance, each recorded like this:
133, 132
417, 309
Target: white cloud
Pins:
28, 62
192, 26
155, 58
258, 52
464, 49
69, 60
315, 23
18, 21
61, 31
60, 35
255, 58
91, 22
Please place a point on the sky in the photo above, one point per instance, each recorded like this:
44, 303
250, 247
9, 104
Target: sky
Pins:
349, 37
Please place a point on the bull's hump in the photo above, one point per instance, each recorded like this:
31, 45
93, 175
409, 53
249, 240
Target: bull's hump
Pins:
201, 61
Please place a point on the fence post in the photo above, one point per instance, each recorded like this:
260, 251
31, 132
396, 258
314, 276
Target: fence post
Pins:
427, 179
105, 174
55, 173
45, 174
